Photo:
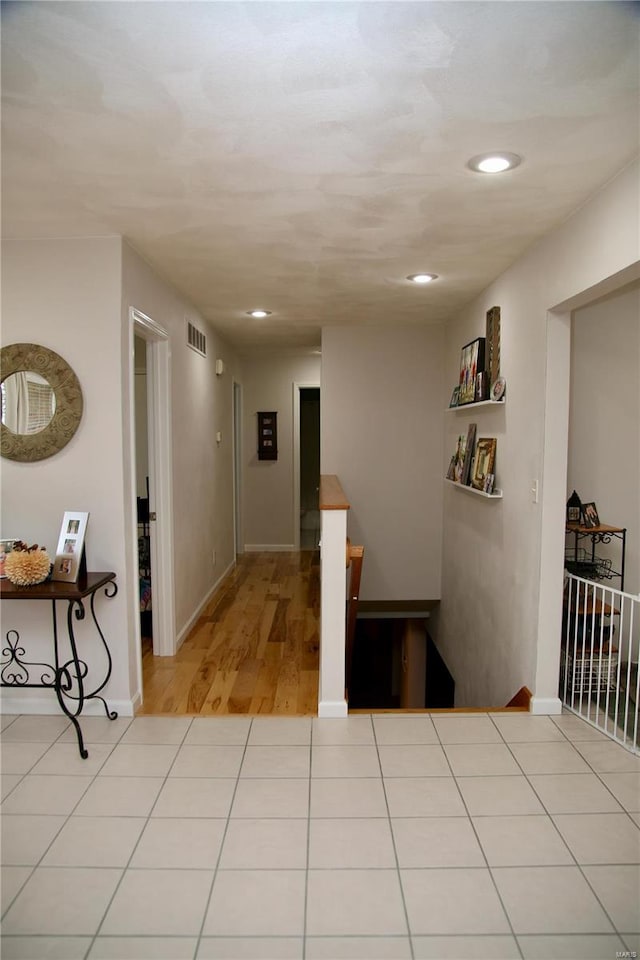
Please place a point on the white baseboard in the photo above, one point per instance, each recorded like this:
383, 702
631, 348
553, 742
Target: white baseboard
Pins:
194, 616
49, 706
547, 706
269, 547
333, 709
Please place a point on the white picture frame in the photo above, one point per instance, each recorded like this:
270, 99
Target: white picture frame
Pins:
69, 562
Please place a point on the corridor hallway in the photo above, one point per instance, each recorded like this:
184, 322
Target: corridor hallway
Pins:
253, 650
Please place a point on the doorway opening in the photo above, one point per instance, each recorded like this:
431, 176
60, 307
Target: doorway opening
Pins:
150, 542
238, 541
306, 466
143, 512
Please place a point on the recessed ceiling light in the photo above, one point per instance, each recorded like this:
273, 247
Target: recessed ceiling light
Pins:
494, 162
259, 313
422, 277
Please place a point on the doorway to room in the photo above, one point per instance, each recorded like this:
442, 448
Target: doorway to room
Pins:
307, 466
145, 584
150, 543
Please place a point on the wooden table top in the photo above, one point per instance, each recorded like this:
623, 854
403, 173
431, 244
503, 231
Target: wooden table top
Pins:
56, 589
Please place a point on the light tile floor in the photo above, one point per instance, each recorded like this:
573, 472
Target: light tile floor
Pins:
371, 838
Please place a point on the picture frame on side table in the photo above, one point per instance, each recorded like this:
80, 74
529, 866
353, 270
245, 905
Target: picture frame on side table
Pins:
471, 363
590, 516
6, 546
70, 562
484, 462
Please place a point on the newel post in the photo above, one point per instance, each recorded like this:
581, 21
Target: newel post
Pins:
333, 598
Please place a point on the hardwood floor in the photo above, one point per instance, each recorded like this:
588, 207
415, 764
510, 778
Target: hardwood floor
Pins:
255, 649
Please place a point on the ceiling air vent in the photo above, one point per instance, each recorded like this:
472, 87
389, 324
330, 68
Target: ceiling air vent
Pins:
196, 339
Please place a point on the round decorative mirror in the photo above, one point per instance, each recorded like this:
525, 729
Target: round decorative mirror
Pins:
41, 402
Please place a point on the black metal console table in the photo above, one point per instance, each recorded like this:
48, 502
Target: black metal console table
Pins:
589, 565
65, 676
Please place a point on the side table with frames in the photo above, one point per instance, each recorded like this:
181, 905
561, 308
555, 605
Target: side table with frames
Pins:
67, 676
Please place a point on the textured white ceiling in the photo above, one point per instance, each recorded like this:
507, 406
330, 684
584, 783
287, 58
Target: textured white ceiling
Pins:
307, 156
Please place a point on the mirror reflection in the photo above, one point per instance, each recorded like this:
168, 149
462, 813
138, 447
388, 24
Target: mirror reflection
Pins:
28, 403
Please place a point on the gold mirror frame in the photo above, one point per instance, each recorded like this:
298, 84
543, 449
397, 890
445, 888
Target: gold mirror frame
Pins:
22, 357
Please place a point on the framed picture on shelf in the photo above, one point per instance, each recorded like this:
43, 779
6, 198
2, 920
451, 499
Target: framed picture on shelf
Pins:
466, 469
493, 343
482, 386
484, 462
454, 397
590, 516
70, 562
452, 467
471, 363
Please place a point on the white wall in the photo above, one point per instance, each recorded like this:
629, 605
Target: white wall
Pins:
65, 295
497, 630
73, 296
604, 436
268, 485
201, 405
382, 414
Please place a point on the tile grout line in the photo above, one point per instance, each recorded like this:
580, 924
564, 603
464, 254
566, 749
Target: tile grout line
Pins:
306, 875
577, 864
216, 869
478, 841
67, 816
96, 934
393, 842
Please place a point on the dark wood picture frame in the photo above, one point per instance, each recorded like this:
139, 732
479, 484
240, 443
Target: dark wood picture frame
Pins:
493, 344
590, 518
267, 435
471, 363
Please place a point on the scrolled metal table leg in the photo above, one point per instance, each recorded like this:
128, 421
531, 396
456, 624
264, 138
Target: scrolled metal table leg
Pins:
64, 678
110, 591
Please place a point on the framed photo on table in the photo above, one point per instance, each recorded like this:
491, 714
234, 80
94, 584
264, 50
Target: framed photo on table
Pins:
471, 363
70, 561
590, 516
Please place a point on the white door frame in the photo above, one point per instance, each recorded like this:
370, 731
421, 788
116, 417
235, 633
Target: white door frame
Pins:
297, 387
160, 482
236, 406
554, 484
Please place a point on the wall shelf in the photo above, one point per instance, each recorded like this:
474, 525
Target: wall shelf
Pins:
476, 403
496, 495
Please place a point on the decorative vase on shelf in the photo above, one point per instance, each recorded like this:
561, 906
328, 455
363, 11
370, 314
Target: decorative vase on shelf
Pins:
26, 566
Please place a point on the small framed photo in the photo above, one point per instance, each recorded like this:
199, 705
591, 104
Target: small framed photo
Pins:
6, 546
484, 463
70, 556
590, 516
454, 397
482, 386
471, 364
498, 388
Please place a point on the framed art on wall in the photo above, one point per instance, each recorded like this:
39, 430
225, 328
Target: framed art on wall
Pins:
267, 435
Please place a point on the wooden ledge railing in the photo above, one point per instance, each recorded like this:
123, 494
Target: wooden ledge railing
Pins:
332, 495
